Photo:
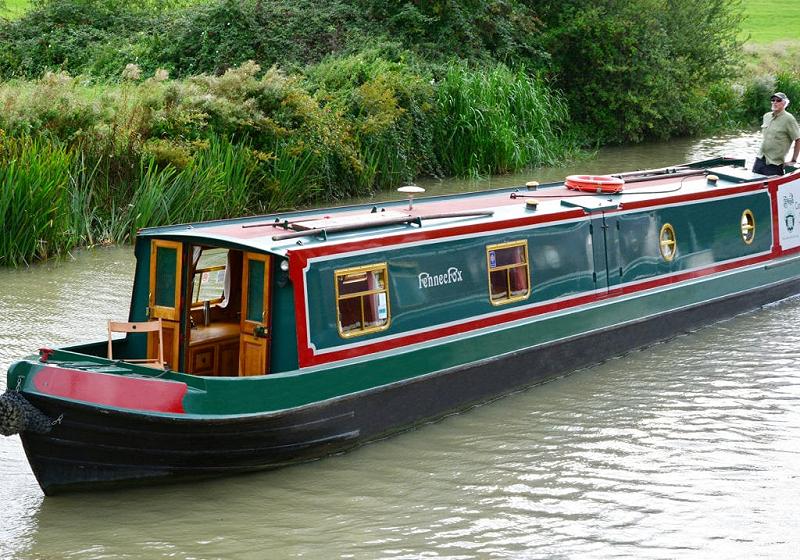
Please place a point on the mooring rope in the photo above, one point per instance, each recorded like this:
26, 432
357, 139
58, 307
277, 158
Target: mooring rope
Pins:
18, 415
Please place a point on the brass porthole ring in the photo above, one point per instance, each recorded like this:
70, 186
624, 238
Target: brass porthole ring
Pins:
748, 227
667, 243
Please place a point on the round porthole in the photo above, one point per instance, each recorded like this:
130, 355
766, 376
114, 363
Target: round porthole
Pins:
666, 242
748, 227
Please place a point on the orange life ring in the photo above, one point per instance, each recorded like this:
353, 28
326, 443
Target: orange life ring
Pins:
603, 184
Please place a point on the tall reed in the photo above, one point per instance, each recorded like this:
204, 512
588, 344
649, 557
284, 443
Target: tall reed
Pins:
287, 178
496, 121
88, 194
34, 200
216, 183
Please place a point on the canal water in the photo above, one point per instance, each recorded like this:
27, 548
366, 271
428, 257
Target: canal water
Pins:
686, 449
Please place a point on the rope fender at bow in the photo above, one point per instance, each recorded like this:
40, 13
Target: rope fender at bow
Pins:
18, 415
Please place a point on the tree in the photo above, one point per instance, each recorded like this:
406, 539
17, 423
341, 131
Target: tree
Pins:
635, 69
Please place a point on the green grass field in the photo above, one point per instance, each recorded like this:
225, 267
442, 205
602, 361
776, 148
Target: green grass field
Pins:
14, 8
770, 21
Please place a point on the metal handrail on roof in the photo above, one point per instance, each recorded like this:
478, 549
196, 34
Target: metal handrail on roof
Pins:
366, 224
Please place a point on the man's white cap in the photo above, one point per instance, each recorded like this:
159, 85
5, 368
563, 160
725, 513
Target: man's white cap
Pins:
780, 95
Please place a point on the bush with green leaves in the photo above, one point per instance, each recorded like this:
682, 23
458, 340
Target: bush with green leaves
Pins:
210, 37
630, 70
755, 96
388, 107
636, 69
790, 85
70, 35
213, 36
55, 105
755, 99
187, 37
485, 31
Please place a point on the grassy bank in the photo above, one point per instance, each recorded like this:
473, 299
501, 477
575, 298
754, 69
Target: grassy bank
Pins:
771, 59
86, 163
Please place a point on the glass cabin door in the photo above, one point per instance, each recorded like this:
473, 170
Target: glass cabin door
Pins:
166, 259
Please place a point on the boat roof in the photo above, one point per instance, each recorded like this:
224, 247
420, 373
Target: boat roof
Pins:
280, 233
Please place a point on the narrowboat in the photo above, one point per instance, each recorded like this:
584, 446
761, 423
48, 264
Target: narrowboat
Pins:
259, 342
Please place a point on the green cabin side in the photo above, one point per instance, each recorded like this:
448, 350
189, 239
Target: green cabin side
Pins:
588, 255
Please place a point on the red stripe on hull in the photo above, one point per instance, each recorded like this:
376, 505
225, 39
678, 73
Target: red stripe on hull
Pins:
155, 395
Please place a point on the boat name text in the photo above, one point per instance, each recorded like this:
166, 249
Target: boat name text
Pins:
427, 280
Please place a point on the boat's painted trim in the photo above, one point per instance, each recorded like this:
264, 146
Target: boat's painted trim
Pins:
137, 393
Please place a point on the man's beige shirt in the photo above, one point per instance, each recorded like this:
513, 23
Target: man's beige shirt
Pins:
778, 134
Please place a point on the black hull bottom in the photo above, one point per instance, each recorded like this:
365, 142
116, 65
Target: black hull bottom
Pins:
94, 448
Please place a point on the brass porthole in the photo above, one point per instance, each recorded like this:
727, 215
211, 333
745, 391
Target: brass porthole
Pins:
666, 242
748, 227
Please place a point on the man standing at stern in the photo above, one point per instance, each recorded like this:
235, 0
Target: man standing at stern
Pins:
779, 130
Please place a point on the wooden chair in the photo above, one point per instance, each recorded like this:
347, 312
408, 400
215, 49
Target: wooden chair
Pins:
140, 327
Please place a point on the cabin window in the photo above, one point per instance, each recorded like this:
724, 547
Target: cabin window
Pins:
165, 273
667, 242
509, 275
208, 281
362, 300
748, 224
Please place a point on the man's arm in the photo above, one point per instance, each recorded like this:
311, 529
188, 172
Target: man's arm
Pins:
796, 151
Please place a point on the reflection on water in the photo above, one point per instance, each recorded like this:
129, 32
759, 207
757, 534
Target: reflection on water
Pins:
612, 160
684, 449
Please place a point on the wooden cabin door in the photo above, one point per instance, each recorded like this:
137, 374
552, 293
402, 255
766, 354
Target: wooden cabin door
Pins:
255, 335
166, 261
